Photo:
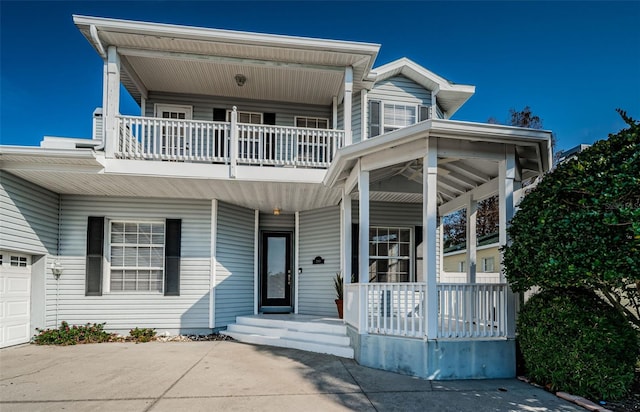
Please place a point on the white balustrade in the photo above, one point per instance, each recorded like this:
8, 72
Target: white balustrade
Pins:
204, 141
398, 309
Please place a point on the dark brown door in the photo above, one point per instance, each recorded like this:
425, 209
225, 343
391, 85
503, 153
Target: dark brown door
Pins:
276, 269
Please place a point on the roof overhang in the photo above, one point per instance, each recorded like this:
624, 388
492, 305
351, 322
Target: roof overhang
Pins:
450, 96
468, 158
182, 59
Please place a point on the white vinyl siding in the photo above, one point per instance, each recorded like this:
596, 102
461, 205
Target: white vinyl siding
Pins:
29, 215
319, 236
356, 117
188, 312
234, 256
203, 107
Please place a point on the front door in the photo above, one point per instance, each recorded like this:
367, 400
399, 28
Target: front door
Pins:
276, 276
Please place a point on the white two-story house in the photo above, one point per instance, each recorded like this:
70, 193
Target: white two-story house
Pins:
259, 167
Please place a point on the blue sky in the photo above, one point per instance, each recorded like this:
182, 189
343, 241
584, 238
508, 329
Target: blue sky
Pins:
573, 63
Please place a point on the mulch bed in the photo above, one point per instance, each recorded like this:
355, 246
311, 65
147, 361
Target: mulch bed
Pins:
632, 402
193, 338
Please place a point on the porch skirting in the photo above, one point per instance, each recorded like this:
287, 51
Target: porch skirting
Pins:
436, 359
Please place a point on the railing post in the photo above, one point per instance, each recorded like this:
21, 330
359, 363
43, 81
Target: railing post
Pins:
233, 143
362, 310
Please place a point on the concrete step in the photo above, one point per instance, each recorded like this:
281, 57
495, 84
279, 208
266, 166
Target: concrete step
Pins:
342, 351
311, 334
326, 338
314, 325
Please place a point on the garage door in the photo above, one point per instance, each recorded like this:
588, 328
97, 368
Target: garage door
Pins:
15, 293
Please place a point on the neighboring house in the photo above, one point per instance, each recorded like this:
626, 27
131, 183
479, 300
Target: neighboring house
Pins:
259, 166
455, 266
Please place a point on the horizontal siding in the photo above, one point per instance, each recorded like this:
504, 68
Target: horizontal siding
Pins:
203, 107
123, 311
28, 216
356, 118
234, 270
319, 236
400, 89
269, 221
390, 214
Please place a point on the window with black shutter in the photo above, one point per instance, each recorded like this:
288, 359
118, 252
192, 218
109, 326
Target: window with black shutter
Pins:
95, 252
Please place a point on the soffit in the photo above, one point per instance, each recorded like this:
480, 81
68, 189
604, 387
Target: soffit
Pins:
265, 196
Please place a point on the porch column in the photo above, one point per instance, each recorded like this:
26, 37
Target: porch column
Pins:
506, 177
112, 101
335, 112
256, 271
296, 259
472, 239
348, 90
430, 223
345, 250
363, 238
214, 264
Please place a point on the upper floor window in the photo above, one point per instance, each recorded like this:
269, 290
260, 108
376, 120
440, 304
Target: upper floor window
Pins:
386, 117
312, 122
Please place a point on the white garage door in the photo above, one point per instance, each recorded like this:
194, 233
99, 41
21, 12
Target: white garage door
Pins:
15, 293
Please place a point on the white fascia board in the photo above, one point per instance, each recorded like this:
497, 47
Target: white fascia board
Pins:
166, 169
229, 36
279, 174
48, 152
420, 74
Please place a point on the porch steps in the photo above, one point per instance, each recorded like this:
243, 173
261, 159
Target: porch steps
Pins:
308, 333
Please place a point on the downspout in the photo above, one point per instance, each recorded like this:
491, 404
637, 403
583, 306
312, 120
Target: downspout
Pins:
94, 35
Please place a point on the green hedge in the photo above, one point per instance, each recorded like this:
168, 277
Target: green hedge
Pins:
573, 341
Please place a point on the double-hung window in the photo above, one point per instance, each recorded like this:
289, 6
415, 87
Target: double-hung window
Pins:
389, 254
488, 265
137, 258
385, 117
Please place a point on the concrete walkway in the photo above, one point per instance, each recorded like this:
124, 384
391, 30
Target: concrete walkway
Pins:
207, 376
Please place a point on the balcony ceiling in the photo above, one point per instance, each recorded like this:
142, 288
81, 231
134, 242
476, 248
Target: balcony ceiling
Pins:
182, 59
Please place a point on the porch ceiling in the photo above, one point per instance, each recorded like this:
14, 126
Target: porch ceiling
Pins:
183, 59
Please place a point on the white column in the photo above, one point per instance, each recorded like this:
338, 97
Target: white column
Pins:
345, 220
335, 112
472, 239
364, 114
143, 107
296, 260
434, 104
113, 101
214, 262
348, 90
233, 143
363, 238
430, 223
506, 176
256, 272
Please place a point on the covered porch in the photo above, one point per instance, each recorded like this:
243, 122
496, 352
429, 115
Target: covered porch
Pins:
443, 166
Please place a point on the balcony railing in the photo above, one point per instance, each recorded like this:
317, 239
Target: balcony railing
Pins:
399, 309
217, 142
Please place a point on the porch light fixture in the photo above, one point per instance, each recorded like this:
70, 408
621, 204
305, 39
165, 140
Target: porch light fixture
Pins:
276, 211
56, 268
241, 79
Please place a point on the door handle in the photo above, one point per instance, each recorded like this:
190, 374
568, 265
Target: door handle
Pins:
289, 277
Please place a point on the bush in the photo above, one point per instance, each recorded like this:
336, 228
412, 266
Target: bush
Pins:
573, 341
142, 334
72, 335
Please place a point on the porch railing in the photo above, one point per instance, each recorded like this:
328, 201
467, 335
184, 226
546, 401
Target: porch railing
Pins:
399, 309
211, 142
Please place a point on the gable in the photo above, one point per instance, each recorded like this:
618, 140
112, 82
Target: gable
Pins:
400, 88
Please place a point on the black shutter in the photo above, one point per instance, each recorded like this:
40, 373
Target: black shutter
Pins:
374, 118
424, 113
418, 239
95, 252
173, 229
355, 247
219, 115
269, 118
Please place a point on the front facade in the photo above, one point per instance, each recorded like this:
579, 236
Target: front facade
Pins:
258, 168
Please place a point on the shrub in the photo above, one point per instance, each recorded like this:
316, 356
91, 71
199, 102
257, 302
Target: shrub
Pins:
573, 341
142, 334
72, 335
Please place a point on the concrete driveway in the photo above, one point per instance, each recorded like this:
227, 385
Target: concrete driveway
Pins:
206, 376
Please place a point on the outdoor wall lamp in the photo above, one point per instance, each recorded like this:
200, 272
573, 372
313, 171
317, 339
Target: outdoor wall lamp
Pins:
241, 79
56, 269
276, 211
299, 271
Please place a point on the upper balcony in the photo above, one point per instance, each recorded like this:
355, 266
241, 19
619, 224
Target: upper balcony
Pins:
205, 69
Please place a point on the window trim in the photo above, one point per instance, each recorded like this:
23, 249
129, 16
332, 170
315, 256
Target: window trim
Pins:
295, 122
164, 107
245, 112
381, 124
410, 257
484, 264
106, 278
384, 126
